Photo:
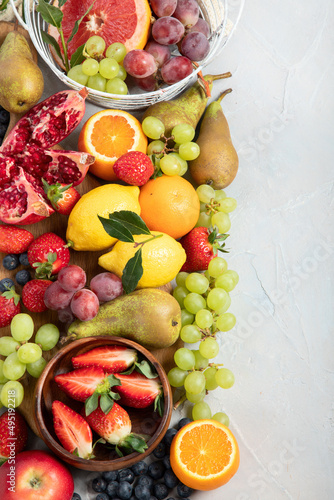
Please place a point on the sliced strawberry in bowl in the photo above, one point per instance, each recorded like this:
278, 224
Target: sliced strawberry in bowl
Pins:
112, 359
80, 384
138, 391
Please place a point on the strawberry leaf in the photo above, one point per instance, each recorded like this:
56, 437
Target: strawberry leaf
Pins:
116, 229
146, 369
159, 404
91, 403
106, 403
134, 442
131, 221
132, 272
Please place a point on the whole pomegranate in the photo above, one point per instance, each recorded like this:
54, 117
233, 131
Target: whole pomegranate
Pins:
26, 157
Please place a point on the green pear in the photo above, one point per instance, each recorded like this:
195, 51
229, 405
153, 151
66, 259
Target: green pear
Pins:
21, 80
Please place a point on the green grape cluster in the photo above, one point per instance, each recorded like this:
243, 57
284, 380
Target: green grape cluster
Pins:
215, 208
170, 160
105, 74
204, 299
21, 354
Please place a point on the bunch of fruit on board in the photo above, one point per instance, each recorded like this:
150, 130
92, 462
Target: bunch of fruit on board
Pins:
150, 224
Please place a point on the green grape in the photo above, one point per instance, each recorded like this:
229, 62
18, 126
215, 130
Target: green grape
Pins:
193, 302
184, 358
202, 206
3, 379
78, 75
222, 221
95, 46
204, 318
13, 369
225, 307
220, 195
210, 378
155, 148
222, 418
216, 298
201, 410
117, 51
200, 361
205, 193
36, 368
195, 398
182, 162
228, 280
196, 282
189, 151
181, 278
176, 376
22, 327
108, 68
8, 345
153, 127
170, 165
122, 74
204, 220
180, 293
12, 394
116, 86
29, 353
186, 317
1, 386
97, 82
47, 336
194, 382
183, 132
190, 334
226, 322
217, 266
90, 67
225, 378
227, 205
209, 348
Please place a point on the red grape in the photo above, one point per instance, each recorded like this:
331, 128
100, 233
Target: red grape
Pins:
84, 304
187, 11
167, 30
163, 8
176, 69
149, 83
161, 53
195, 46
106, 286
56, 297
66, 315
202, 27
139, 63
72, 278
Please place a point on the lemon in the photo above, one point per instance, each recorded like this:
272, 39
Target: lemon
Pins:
162, 258
84, 227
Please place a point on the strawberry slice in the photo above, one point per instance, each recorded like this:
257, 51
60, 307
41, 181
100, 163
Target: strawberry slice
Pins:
72, 430
112, 359
138, 391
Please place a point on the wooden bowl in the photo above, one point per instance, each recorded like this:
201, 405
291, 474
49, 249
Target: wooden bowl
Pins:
144, 421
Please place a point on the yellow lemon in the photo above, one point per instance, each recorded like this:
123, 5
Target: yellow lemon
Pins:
162, 258
85, 229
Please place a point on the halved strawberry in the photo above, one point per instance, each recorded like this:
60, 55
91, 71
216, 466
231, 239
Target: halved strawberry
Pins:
72, 430
113, 358
138, 391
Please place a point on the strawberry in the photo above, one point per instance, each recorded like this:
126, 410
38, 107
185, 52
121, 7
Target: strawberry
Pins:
115, 428
72, 430
33, 295
138, 391
134, 168
14, 239
48, 254
201, 246
62, 197
9, 306
13, 434
112, 359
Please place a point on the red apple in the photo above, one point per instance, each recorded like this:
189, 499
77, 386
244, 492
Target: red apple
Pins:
35, 475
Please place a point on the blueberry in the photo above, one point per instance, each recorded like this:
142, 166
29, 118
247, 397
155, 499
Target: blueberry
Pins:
160, 450
166, 461
76, 496
102, 496
160, 490
110, 475
145, 481
156, 469
139, 468
23, 258
153, 498
112, 488
22, 277
5, 284
169, 436
124, 490
10, 262
4, 117
142, 492
170, 479
99, 484
184, 421
126, 475
184, 491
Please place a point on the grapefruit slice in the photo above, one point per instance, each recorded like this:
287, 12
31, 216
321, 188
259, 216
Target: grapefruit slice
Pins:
125, 21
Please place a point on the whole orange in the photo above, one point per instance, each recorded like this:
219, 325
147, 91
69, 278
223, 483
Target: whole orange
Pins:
169, 204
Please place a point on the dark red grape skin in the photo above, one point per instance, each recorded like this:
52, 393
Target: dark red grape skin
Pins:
163, 8
161, 53
139, 63
202, 27
187, 11
167, 30
195, 46
176, 69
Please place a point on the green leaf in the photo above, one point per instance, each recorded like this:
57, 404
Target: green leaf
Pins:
106, 403
131, 221
113, 380
146, 369
132, 272
159, 404
50, 13
77, 57
52, 41
61, 3
91, 403
77, 23
3, 4
116, 230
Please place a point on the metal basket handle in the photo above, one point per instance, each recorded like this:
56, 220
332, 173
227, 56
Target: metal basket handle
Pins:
17, 15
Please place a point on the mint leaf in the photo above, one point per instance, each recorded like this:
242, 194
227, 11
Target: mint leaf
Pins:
52, 41
77, 23
131, 221
50, 14
116, 230
77, 57
132, 272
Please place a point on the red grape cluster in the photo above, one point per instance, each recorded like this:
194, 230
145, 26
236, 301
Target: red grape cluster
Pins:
177, 23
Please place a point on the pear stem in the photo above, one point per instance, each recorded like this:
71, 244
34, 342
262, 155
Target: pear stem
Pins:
221, 97
220, 77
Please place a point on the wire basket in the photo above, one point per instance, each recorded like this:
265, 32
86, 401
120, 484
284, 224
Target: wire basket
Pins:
221, 15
